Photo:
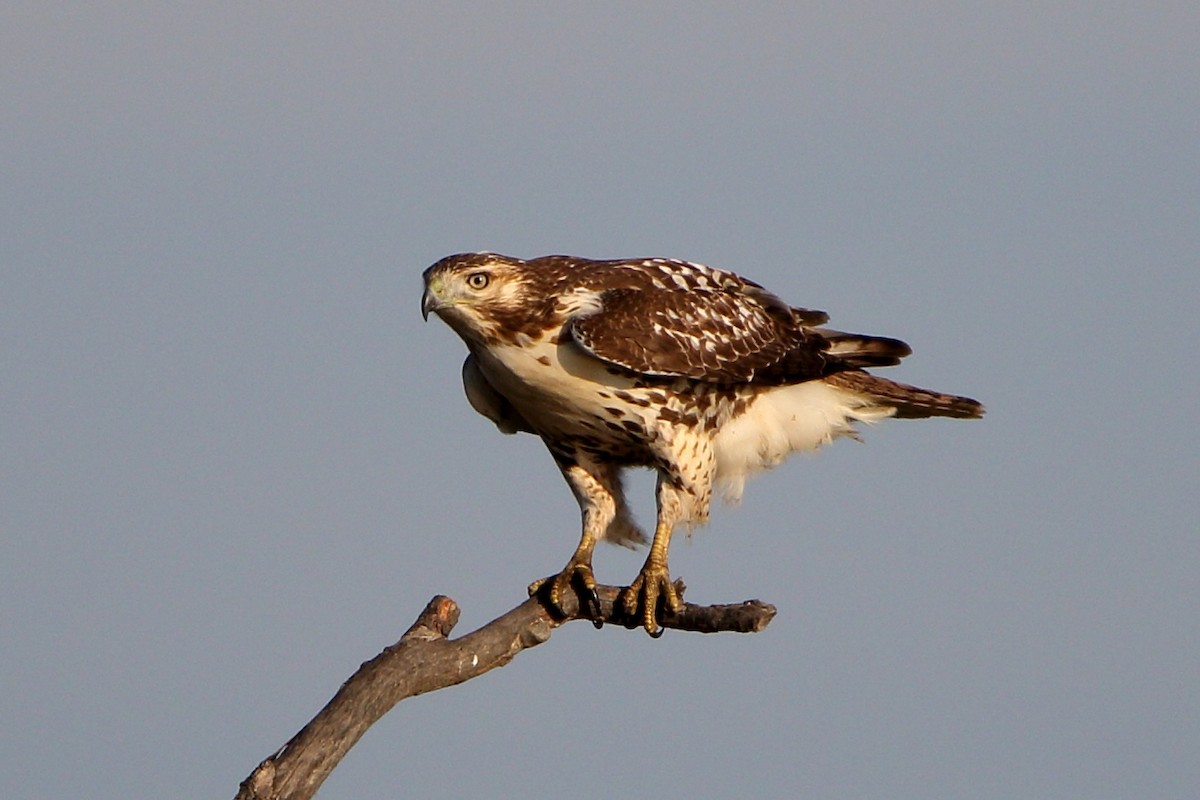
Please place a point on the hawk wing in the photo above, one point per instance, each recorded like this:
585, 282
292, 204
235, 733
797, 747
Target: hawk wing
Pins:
484, 398
717, 336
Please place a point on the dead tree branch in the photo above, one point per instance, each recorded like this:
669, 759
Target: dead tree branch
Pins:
425, 659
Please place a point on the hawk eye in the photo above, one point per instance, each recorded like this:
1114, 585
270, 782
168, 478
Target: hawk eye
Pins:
478, 280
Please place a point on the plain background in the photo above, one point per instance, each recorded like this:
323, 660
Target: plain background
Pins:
235, 463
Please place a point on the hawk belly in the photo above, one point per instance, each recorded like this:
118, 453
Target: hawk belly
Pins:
585, 408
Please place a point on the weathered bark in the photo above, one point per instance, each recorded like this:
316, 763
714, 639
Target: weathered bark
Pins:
424, 659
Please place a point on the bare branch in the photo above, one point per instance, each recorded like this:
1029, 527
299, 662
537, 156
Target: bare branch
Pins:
425, 659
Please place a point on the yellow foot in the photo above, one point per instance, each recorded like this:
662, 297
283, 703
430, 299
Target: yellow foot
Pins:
580, 572
652, 585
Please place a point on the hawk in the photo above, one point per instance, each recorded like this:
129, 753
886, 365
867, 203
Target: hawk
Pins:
702, 375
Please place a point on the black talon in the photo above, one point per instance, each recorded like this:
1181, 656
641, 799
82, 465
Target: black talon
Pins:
590, 597
594, 610
657, 634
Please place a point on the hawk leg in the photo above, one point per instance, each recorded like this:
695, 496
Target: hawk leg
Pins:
653, 584
597, 487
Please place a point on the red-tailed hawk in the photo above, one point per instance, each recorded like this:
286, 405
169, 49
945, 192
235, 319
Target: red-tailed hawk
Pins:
698, 373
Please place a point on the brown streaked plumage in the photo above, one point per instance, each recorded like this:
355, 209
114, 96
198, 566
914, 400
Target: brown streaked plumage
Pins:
695, 372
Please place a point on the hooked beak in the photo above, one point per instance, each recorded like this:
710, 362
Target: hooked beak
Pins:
428, 303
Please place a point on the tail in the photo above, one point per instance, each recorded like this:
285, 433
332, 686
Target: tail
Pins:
861, 351
910, 402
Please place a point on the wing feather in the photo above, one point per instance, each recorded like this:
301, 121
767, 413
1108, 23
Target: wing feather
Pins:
723, 335
484, 398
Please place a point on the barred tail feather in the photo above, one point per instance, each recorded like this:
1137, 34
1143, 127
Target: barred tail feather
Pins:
909, 402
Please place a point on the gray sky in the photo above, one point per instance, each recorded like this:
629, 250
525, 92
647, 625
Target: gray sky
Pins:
234, 463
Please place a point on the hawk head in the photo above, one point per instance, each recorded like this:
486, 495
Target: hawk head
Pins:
479, 295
